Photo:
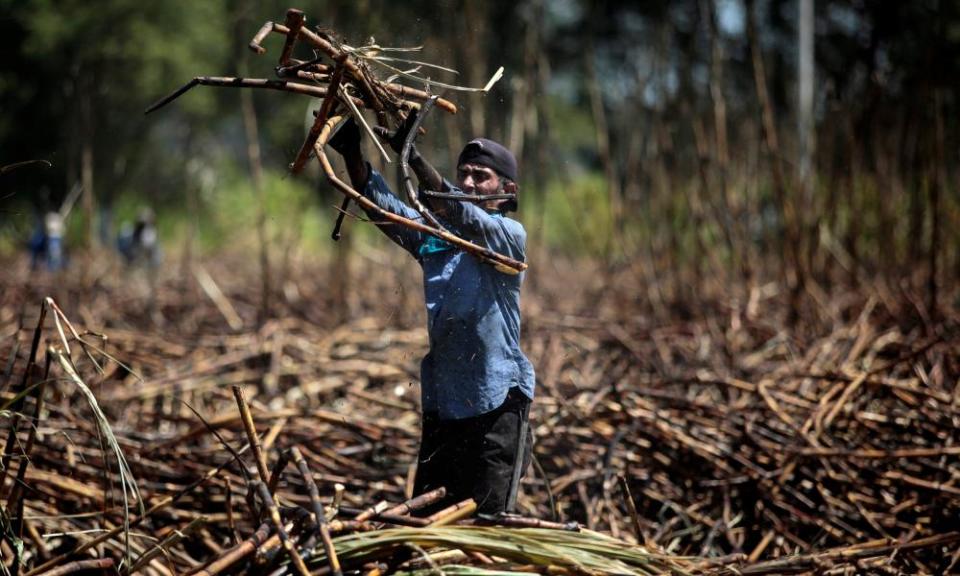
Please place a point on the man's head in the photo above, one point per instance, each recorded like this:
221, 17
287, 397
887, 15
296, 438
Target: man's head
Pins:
486, 167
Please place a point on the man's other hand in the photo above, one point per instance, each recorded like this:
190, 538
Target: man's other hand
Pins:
347, 139
347, 142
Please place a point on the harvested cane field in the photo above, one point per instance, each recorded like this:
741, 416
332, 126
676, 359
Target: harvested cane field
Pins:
710, 440
738, 225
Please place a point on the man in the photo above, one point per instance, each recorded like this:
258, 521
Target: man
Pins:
46, 243
139, 243
476, 384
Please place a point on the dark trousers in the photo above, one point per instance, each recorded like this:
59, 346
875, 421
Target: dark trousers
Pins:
475, 457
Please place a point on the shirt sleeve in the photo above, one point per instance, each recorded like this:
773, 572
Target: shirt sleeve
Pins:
493, 231
378, 192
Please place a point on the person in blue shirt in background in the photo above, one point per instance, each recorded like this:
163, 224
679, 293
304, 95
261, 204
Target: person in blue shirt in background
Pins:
139, 243
476, 383
46, 244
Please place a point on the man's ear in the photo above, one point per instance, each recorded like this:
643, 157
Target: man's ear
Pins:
510, 187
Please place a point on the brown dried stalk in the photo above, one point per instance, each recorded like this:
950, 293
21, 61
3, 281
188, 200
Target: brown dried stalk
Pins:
274, 514
318, 511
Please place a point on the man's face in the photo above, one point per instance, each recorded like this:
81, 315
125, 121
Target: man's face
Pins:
478, 180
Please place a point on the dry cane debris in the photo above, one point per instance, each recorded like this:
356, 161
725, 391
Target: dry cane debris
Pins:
743, 450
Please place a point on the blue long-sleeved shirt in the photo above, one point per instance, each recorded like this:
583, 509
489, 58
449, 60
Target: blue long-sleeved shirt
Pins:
473, 311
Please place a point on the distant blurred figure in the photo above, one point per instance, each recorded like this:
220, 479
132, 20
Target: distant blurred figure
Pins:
46, 244
138, 243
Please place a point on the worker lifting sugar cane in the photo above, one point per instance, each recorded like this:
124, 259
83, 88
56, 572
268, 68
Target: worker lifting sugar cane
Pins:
476, 383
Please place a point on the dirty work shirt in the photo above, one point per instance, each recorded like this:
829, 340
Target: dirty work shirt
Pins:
473, 311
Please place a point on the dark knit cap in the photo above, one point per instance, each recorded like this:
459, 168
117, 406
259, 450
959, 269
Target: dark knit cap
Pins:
488, 153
